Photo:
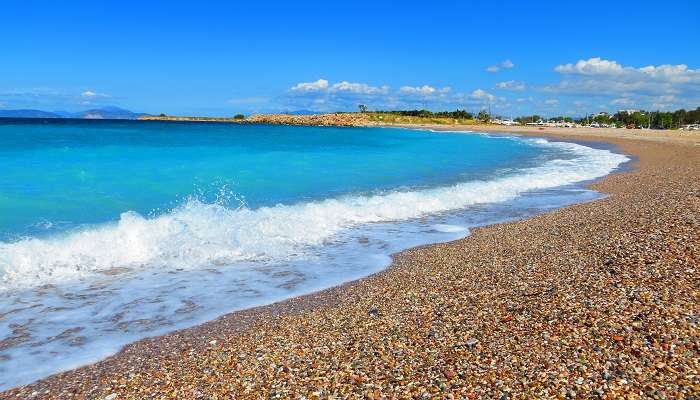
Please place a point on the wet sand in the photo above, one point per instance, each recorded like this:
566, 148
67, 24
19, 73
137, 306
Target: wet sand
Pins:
594, 300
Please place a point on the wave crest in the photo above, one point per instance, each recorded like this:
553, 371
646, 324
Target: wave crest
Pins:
196, 234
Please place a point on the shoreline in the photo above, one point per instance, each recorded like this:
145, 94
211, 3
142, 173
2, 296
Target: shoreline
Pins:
586, 134
356, 306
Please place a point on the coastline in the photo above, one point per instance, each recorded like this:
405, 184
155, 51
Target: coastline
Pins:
351, 119
587, 134
405, 324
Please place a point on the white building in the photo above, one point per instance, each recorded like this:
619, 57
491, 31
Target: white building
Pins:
628, 112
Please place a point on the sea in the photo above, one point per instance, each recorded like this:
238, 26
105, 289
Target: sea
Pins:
112, 231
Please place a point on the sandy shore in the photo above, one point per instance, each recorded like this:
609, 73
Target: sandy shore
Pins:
601, 134
594, 300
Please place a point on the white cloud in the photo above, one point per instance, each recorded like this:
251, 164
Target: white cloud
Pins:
89, 94
424, 90
323, 95
417, 89
592, 66
507, 64
322, 85
551, 102
48, 98
481, 94
511, 85
318, 85
672, 73
623, 101
597, 68
358, 88
344, 95
641, 87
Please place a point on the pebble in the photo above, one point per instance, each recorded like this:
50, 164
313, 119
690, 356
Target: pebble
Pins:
551, 317
472, 342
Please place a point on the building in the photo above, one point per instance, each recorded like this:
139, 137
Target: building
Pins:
628, 112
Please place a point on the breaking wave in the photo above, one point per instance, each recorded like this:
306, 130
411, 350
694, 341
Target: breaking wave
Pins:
196, 234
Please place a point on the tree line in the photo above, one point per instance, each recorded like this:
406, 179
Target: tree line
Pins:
634, 119
457, 114
631, 119
651, 119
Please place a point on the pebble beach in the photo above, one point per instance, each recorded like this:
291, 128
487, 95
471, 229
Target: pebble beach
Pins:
596, 300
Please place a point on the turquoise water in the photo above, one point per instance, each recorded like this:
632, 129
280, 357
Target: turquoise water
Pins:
111, 231
63, 174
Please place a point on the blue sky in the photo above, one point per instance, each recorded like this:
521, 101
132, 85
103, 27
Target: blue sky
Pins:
220, 58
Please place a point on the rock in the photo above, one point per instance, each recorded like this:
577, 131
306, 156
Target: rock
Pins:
111, 397
333, 119
471, 343
373, 312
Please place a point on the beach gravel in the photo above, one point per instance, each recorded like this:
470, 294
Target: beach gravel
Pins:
596, 300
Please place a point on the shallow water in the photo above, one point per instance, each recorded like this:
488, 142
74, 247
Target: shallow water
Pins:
114, 231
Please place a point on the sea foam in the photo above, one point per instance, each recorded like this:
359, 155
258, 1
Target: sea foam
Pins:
200, 235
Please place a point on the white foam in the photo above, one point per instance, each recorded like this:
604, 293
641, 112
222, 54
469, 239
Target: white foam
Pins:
200, 235
447, 228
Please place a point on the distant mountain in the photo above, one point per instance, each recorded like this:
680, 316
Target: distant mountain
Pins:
27, 114
108, 113
97, 113
65, 114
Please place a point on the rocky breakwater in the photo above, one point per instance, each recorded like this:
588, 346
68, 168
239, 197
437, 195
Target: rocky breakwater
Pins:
335, 119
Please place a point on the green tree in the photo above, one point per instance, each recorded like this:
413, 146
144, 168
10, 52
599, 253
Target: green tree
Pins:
363, 108
602, 119
665, 120
528, 118
239, 116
